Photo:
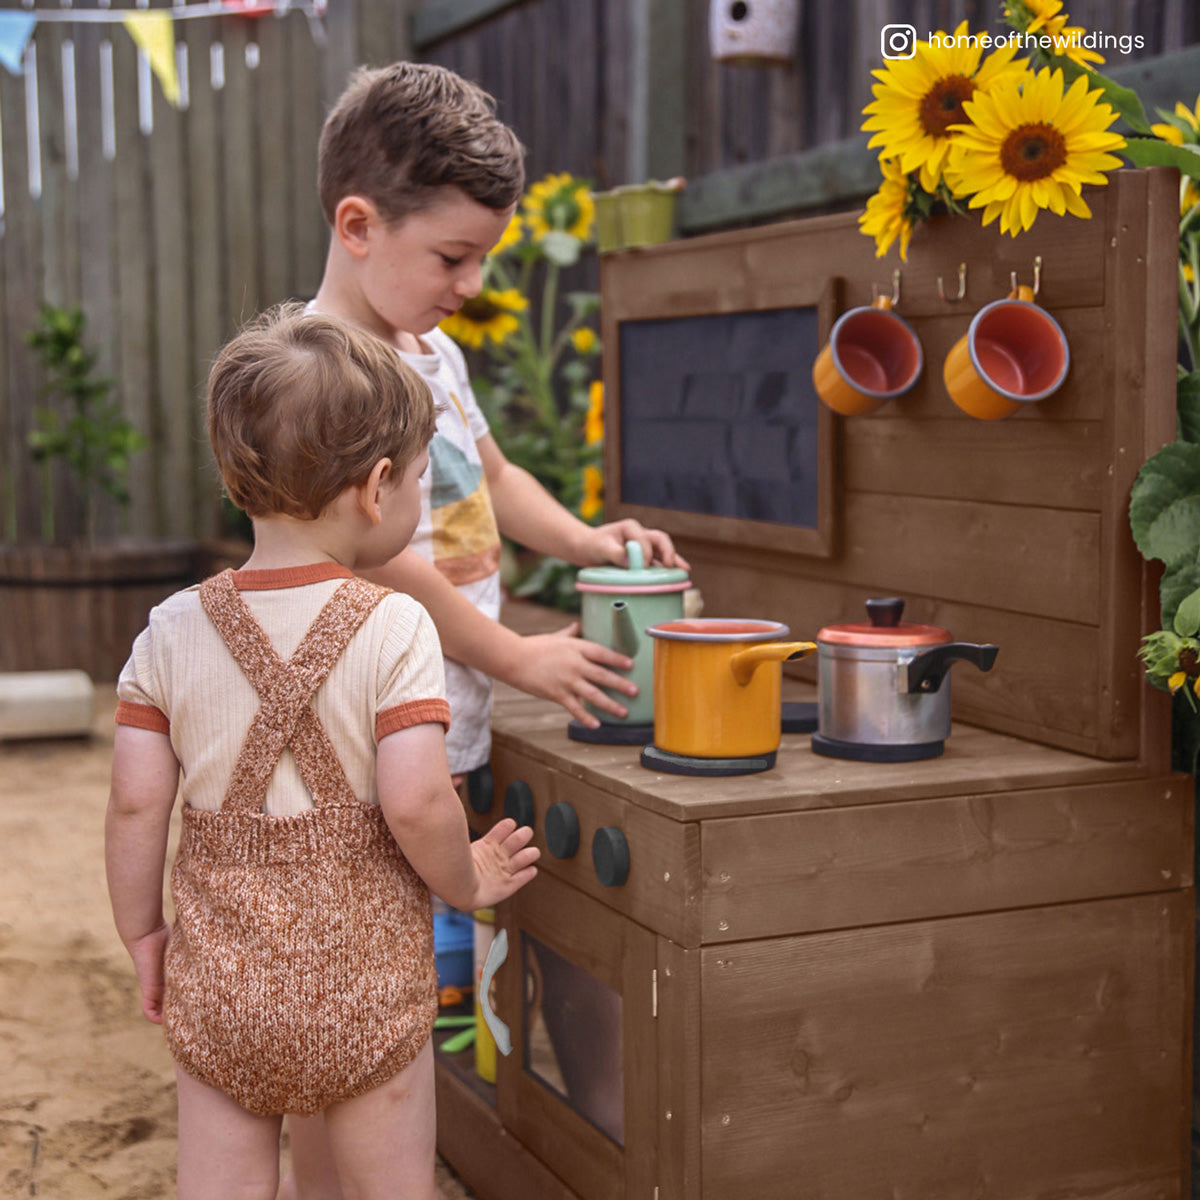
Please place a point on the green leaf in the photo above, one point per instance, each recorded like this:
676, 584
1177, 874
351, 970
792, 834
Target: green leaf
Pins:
1187, 399
1175, 533
1170, 476
1176, 586
562, 249
1187, 615
1154, 152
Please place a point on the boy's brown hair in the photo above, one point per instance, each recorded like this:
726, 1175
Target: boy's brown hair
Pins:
302, 406
399, 134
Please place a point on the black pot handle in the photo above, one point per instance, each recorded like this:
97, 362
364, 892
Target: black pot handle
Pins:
927, 670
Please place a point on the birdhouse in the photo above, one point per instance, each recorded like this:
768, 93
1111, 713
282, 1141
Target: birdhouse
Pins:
753, 30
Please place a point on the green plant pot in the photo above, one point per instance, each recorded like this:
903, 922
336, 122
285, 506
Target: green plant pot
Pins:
641, 214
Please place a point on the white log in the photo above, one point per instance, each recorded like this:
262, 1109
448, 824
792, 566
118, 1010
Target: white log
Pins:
37, 704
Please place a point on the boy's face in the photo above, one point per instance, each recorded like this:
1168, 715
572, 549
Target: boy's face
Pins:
417, 272
400, 505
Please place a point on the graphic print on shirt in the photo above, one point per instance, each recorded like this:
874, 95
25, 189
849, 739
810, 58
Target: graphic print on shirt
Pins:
466, 541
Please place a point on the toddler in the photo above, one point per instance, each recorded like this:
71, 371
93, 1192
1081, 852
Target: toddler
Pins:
302, 712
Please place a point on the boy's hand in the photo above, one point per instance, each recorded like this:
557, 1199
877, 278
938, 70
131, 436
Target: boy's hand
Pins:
570, 671
606, 544
503, 862
148, 954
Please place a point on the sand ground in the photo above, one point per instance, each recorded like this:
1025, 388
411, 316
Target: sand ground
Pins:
87, 1101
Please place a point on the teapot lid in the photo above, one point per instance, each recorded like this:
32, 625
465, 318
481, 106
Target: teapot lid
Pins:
637, 577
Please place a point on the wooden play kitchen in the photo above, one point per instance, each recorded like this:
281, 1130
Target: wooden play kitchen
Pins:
963, 976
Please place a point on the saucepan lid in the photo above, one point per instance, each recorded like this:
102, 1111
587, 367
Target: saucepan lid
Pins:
884, 628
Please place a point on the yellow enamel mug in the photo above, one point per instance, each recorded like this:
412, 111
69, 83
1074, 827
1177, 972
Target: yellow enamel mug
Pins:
1014, 353
871, 357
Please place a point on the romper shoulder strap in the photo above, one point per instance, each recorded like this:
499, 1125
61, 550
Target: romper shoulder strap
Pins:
285, 718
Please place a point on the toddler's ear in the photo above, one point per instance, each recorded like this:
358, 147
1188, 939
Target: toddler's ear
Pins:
352, 221
366, 494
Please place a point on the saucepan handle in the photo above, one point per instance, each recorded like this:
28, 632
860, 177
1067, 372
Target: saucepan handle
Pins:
927, 670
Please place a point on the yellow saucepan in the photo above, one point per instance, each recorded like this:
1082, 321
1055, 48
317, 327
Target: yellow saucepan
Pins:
717, 685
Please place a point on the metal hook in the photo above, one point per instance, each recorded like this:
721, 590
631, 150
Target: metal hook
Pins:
895, 288
962, 285
1037, 275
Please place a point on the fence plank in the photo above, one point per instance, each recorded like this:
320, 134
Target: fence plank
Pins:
239, 200
309, 231
22, 290
175, 386
275, 210
135, 284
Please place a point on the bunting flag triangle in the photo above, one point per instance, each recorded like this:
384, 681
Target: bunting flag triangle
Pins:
154, 35
16, 28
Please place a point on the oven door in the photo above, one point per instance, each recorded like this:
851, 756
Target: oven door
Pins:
578, 993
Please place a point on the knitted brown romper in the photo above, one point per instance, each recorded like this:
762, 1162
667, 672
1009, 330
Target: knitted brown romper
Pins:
300, 968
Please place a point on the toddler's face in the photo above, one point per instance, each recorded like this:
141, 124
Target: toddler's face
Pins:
400, 503
420, 270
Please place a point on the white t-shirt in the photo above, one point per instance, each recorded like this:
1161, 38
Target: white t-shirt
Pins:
458, 534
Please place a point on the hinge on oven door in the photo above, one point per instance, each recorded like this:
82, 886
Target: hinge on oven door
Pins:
654, 995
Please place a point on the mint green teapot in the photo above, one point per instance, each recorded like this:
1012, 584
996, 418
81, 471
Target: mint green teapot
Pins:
619, 604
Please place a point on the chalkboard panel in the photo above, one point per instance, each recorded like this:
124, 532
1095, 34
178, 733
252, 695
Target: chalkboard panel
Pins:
719, 416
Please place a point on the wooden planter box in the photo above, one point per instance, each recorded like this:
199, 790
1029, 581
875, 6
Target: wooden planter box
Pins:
82, 607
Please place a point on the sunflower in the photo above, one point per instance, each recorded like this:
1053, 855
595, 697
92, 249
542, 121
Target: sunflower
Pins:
887, 216
488, 315
559, 202
1170, 132
514, 231
1030, 146
592, 503
919, 100
1043, 17
584, 340
593, 425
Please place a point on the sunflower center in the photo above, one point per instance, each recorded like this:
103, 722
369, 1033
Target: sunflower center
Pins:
942, 105
480, 310
1033, 151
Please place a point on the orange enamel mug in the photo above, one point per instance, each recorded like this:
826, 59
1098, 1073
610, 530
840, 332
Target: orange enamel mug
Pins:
871, 357
1014, 353
717, 685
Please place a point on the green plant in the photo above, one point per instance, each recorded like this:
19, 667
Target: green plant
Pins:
79, 425
537, 388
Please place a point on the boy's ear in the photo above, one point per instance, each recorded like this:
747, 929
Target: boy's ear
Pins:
352, 221
366, 494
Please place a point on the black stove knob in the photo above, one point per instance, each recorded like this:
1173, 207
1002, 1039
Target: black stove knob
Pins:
610, 856
562, 830
518, 802
481, 790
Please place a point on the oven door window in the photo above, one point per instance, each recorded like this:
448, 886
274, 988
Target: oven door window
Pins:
572, 1026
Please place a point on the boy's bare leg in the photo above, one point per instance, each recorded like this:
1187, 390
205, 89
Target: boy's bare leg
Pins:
384, 1142
314, 1175
225, 1152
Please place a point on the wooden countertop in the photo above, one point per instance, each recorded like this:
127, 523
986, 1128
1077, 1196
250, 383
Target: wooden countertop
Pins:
976, 761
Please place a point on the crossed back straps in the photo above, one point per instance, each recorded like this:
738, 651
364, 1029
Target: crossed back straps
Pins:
285, 719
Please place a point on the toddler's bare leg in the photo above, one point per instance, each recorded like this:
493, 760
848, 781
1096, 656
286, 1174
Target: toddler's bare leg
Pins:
384, 1141
314, 1175
225, 1152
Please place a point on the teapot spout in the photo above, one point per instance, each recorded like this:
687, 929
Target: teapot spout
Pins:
624, 636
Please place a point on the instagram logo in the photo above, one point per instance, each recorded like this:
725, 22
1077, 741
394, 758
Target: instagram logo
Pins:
898, 41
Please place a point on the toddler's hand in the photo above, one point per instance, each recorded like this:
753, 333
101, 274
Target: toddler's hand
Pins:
606, 544
148, 953
503, 862
570, 671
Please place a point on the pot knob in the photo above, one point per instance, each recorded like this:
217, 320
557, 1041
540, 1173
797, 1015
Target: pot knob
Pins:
885, 612
518, 802
562, 829
481, 790
610, 856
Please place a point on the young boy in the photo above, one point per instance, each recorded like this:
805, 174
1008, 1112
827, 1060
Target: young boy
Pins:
418, 179
302, 709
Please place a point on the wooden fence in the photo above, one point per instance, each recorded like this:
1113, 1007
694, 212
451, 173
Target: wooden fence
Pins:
168, 226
